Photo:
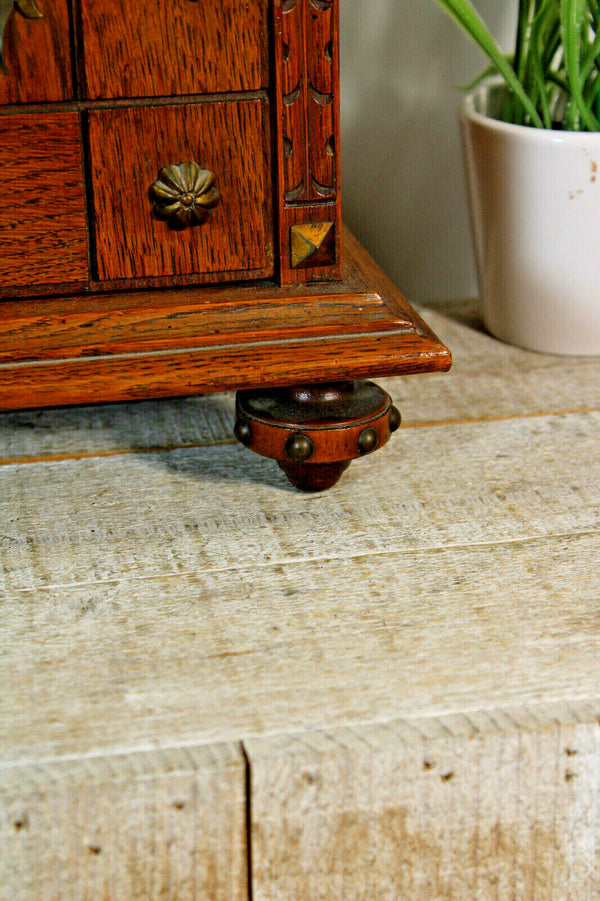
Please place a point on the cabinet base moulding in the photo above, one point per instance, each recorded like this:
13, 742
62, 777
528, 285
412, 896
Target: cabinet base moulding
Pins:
130, 346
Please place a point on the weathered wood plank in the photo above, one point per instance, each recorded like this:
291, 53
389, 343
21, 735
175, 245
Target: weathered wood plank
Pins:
193, 658
62, 432
179, 597
491, 805
490, 379
157, 514
161, 825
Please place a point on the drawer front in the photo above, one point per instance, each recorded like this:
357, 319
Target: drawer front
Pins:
37, 54
42, 214
173, 47
128, 149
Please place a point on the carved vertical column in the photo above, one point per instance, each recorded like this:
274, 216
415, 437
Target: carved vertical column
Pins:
307, 112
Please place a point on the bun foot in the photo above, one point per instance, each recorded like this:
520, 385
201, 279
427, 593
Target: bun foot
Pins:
311, 477
314, 431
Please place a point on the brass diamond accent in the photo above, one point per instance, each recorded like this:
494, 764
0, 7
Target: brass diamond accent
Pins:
312, 245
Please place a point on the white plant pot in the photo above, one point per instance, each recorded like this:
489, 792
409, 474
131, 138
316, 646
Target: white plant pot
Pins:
535, 207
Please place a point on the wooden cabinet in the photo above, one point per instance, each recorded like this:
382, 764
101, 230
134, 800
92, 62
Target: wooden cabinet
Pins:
37, 55
128, 148
178, 163
175, 47
43, 236
116, 136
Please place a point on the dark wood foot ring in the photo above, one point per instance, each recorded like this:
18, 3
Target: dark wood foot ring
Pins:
314, 431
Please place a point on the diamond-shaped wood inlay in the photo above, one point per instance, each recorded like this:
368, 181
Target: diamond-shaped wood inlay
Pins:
312, 244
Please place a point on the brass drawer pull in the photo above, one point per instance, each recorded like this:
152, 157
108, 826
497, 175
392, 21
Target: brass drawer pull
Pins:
183, 194
27, 8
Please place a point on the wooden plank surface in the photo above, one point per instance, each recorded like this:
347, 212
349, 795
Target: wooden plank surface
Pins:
163, 589
161, 825
502, 804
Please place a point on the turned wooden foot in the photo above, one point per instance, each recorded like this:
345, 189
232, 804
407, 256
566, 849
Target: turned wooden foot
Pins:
315, 431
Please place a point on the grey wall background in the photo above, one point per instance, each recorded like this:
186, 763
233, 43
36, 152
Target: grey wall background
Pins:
402, 178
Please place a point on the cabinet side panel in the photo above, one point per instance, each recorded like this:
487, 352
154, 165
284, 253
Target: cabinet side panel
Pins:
42, 215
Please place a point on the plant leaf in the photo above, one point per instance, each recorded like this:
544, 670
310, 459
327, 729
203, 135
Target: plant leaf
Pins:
467, 17
573, 20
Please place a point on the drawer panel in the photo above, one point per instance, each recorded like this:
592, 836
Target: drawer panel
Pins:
38, 55
129, 147
174, 47
42, 215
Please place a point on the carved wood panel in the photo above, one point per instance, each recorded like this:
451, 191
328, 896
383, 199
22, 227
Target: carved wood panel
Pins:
307, 87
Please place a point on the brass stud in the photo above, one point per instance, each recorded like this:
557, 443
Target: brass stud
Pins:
368, 440
299, 447
395, 419
312, 244
242, 431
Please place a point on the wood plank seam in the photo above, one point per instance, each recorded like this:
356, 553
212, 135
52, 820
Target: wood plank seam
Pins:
166, 448
330, 558
498, 803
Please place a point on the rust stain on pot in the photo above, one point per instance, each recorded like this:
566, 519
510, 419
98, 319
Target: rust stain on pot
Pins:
594, 168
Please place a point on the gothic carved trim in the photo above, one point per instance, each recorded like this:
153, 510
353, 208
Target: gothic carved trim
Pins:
308, 118
308, 100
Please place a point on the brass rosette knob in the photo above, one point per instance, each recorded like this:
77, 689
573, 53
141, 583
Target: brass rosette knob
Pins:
184, 194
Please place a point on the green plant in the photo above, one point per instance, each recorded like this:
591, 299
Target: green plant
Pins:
554, 75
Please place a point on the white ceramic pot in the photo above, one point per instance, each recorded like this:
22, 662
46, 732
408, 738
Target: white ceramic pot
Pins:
535, 205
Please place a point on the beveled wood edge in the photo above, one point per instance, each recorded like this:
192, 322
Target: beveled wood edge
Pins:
275, 357
75, 334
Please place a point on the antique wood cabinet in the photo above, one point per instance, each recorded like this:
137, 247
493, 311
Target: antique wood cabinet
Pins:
171, 223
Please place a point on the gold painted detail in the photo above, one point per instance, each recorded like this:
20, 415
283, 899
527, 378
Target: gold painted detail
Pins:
27, 8
312, 245
183, 194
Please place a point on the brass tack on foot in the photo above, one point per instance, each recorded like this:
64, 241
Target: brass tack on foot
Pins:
243, 432
395, 419
299, 448
368, 440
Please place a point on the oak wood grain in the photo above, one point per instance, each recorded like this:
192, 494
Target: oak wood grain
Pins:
517, 384
112, 354
38, 56
128, 149
154, 322
175, 47
306, 70
43, 234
